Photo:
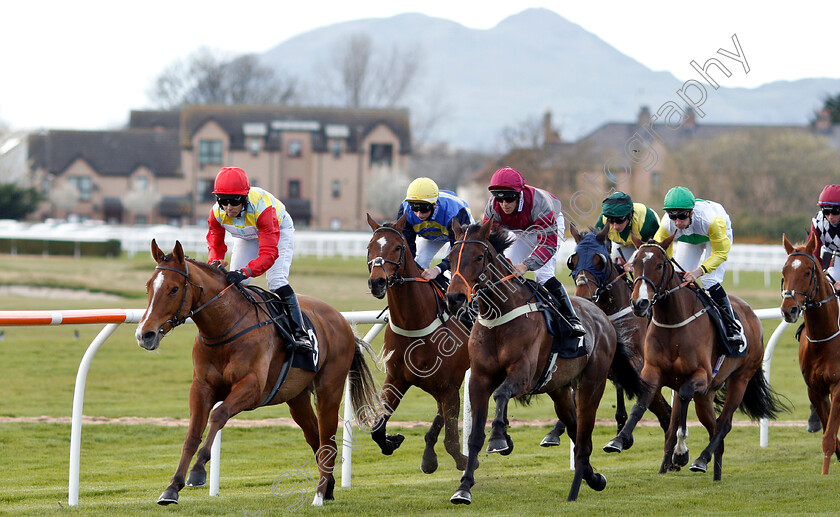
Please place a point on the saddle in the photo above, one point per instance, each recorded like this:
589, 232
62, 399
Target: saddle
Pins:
303, 359
724, 346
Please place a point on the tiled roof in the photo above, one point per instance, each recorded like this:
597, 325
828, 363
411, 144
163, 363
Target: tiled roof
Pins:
233, 118
142, 119
110, 153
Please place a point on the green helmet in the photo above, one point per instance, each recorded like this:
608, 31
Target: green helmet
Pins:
617, 204
679, 198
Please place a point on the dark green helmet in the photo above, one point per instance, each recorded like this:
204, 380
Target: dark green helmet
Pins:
617, 205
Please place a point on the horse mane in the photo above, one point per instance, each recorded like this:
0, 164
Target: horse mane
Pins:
202, 265
499, 238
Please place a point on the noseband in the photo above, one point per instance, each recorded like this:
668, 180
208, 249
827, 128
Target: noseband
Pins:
395, 279
660, 292
482, 279
813, 287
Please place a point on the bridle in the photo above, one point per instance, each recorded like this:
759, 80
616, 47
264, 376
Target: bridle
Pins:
176, 320
395, 279
813, 287
660, 291
483, 282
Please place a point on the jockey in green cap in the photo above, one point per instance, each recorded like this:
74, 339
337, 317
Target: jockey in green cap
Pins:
626, 218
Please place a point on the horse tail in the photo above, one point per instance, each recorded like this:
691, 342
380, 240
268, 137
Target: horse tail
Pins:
622, 371
363, 394
760, 400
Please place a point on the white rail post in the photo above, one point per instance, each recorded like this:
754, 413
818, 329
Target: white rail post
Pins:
78, 406
215, 459
764, 434
465, 445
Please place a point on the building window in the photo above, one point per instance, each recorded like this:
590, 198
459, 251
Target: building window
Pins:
141, 219
294, 189
335, 224
655, 182
335, 148
336, 188
210, 152
84, 185
204, 189
254, 146
295, 148
381, 154
141, 184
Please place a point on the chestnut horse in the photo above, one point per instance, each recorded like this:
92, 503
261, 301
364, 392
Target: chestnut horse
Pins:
681, 353
238, 356
510, 349
600, 281
423, 346
807, 291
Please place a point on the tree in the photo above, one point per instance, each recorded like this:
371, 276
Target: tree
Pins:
831, 105
385, 191
768, 180
17, 203
208, 78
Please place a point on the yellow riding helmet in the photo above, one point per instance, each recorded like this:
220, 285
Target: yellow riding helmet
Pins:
422, 190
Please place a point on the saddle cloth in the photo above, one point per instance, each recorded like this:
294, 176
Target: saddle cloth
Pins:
303, 359
723, 344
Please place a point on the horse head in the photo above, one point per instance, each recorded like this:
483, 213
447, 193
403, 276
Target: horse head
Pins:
654, 274
171, 295
802, 278
589, 264
388, 255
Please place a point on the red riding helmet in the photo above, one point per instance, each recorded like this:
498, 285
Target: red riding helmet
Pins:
830, 195
507, 178
232, 180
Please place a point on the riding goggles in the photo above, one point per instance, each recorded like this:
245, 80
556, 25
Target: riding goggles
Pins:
229, 200
831, 210
507, 196
422, 208
617, 220
680, 214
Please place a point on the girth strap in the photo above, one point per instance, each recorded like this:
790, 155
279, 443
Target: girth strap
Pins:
508, 316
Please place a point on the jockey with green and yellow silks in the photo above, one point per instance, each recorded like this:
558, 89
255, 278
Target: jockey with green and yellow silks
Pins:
429, 214
702, 229
263, 241
626, 218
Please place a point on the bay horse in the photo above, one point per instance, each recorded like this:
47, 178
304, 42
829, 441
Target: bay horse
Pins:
237, 357
598, 279
807, 291
424, 347
510, 347
680, 353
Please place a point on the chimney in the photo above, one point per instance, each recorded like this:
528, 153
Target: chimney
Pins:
644, 116
550, 135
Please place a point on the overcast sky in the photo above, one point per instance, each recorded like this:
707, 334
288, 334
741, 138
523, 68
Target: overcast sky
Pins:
84, 64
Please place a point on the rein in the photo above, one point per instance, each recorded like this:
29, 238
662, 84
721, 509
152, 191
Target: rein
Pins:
660, 292
175, 321
390, 280
809, 303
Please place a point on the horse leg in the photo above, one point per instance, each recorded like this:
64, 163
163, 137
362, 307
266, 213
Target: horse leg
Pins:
451, 409
200, 404
735, 388
671, 439
624, 439
829, 439
500, 441
696, 384
620, 409
429, 463
552, 438
660, 407
704, 405
328, 394
242, 396
565, 409
588, 394
392, 393
480, 390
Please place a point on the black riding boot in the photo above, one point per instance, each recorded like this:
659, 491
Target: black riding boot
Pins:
733, 330
567, 311
290, 303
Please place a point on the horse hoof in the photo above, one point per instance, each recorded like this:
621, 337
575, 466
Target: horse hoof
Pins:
497, 445
461, 497
393, 442
598, 482
613, 446
681, 459
697, 466
550, 440
509, 449
461, 463
169, 496
197, 479
429, 466
814, 426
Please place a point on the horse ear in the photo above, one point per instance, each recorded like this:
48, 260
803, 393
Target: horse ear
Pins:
636, 241
667, 242
373, 224
457, 229
786, 243
811, 246
157, 254
178, 252
602, 235
400, 224
574, 231
484, 234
